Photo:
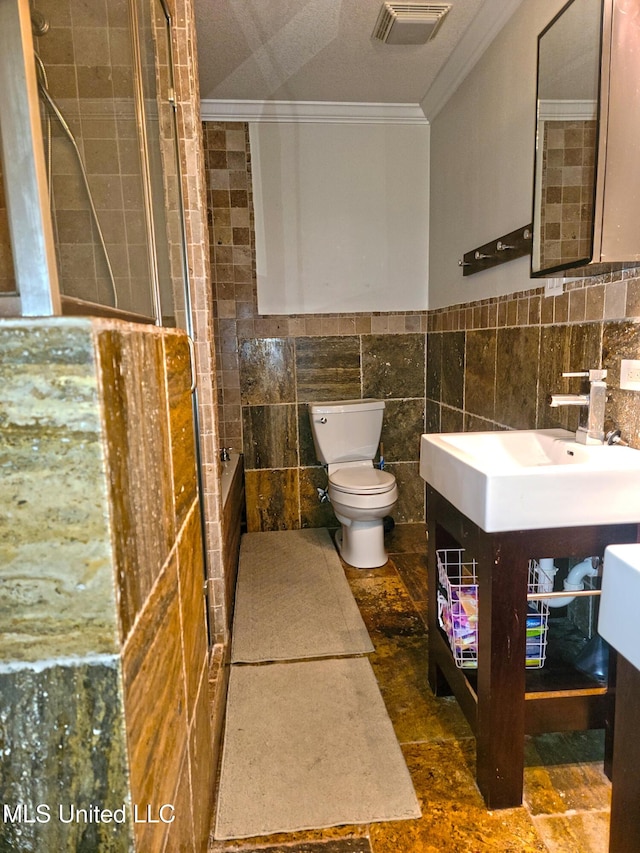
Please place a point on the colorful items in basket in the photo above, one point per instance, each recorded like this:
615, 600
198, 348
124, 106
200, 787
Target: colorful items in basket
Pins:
536, 638
459, 620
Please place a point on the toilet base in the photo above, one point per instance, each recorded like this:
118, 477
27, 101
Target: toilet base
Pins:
361, 544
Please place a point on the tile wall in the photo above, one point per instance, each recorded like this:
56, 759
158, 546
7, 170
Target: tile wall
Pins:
88, 62
492, 364
103, 644
488, 364
270, 367
569, 156
194, 194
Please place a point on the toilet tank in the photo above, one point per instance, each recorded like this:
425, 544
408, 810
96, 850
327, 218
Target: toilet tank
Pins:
346, 430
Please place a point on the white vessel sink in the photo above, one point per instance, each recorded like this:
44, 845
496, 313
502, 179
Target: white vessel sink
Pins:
532, 479
620, 600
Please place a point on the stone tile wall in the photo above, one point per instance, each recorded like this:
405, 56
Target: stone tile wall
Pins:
492, 364
194, 193
103, 643
280, 376
489, 364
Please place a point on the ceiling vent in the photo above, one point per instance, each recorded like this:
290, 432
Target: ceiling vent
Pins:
409, 23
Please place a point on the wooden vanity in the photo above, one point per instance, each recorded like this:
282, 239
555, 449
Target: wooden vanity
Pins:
501, 699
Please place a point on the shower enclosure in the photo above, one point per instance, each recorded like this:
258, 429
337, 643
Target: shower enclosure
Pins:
90, 193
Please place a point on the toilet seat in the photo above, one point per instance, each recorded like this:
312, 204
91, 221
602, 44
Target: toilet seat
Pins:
362, 481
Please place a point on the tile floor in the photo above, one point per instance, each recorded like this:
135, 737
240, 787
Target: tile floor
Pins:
566, 801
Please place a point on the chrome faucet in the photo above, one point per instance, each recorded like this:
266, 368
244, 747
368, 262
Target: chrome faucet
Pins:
592, 400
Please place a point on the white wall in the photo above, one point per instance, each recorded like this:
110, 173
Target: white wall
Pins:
342, 216
482, 155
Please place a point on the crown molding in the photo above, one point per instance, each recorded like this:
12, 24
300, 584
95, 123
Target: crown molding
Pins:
311, 111
491, 18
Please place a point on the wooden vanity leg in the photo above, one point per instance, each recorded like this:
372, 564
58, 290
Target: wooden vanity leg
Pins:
624, 833
503, 576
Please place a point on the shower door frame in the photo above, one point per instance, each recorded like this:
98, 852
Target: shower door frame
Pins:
24, 175
38, 292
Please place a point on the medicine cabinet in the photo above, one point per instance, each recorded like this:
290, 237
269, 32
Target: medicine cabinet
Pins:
586, 209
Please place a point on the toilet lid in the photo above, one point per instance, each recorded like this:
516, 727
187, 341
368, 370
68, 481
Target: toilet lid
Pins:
370, 481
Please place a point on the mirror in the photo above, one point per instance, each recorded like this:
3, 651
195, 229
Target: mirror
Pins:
585, 97
566, 130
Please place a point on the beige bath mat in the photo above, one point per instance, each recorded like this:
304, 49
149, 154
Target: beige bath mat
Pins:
293, 600
309, 745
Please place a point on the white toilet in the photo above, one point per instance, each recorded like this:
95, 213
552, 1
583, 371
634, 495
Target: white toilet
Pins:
346, 434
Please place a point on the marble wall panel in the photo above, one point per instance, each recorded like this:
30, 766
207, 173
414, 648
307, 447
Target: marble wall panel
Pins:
451, 420
328, 368
555, 355
57, 594
393, 366
155, 702
270, 437
453, 365
192, 605
517, 376
313, 511
179, 835
63, 745
480, 373
622, 340
139, 458
181, 431
267, 371
202, 765
410, 505
402, 427
306, 447
432, 416
272, 499
434, 366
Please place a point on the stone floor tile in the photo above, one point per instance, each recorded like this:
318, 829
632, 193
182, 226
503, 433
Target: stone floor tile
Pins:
400, 666
454, 818
583, 832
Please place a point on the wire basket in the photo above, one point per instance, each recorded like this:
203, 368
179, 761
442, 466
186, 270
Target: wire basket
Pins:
458, 610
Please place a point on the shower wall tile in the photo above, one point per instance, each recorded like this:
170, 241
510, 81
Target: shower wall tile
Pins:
272, 499
267, 371
328, 368
393, 366
270, 436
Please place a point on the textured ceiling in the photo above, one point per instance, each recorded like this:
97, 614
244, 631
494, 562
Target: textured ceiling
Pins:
318, 50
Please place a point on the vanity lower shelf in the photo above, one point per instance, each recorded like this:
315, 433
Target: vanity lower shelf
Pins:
502, 701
